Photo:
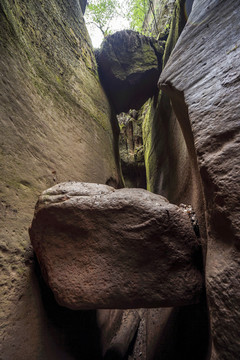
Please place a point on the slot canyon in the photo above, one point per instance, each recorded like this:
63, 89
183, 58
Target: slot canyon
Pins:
120, 183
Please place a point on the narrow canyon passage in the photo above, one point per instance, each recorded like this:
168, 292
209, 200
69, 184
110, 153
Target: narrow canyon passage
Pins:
130, 155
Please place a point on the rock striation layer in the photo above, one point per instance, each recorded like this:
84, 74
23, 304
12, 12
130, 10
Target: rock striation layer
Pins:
129, 67
55, 123
208, 51
104, 248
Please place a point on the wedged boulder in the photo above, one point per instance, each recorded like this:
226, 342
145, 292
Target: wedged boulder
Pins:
104, 248
129, 67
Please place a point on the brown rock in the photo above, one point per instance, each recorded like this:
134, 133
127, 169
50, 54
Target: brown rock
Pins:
105, 248
55, 123
204, 68
118, 329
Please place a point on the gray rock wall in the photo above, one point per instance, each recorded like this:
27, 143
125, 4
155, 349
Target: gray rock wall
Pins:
158, 18
55, 125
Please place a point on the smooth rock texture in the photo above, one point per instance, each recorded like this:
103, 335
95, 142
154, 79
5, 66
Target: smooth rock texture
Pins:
118, 329
83, 4
105, 248
55, 123
205, 67
129, 67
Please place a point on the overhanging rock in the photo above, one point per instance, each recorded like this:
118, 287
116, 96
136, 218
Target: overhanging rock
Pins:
104, 248
129, 67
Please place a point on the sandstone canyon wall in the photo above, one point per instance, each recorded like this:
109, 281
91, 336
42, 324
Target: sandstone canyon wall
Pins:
55, 126
172, 172
204, 68
192, 151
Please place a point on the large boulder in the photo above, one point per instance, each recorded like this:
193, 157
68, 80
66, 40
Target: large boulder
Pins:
206, 102
104, 248
129, 67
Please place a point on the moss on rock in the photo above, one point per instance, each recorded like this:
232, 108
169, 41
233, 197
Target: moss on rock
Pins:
56, 125
156, 125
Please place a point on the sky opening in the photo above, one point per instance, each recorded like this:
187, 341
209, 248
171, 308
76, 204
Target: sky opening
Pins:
117, 23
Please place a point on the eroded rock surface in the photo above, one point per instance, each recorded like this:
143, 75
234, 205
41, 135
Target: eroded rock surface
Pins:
208, 51
104, 248
55, 123
129, 67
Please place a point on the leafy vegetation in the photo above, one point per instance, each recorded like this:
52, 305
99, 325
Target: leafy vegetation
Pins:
100, 13
103, 13
136, 13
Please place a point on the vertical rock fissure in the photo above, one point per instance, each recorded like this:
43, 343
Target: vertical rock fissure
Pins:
181, 111
131, 149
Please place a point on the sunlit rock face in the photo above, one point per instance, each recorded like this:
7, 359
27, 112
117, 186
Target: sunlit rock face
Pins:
204, 67
55, 126
129, 67
104, 248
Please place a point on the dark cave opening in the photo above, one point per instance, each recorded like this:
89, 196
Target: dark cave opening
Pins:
75, 332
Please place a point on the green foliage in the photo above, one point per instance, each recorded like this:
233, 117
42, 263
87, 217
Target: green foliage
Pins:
100, 13
136, 13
